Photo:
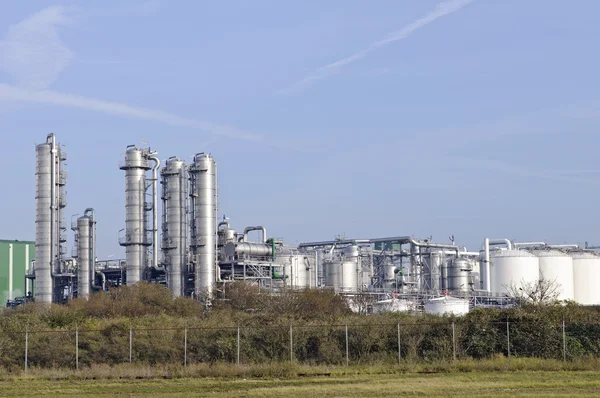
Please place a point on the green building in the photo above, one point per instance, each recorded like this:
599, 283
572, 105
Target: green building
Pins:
15, 260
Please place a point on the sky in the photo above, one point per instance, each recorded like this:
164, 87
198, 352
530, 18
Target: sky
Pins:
430, 118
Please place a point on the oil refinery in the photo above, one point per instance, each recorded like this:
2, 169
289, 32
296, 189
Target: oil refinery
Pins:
179, 240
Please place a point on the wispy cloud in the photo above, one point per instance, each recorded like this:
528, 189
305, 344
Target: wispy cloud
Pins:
34, 56
49, 97
441, 10
32, 52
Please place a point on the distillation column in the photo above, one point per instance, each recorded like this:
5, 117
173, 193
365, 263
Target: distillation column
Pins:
203, 178
135, 239
86, 253
50, 201
174, 223
44, 219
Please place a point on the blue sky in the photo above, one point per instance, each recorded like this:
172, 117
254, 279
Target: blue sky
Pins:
416, 117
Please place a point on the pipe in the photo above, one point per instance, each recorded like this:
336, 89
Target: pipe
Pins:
51, 139
487, 242
564, 246
156, 160
529, 244
257, 228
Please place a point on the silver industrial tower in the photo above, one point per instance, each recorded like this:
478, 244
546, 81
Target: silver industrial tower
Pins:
174, 179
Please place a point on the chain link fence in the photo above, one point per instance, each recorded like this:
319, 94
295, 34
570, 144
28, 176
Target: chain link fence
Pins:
336, 344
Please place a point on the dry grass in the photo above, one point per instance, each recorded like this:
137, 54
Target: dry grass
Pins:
287, 370
514, 384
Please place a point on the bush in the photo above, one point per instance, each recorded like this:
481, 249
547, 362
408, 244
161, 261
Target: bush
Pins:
318, 318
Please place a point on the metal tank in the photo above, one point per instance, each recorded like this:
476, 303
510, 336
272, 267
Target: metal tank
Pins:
432, 269
342, 276
586, 277
512, 269
389, 275
203, 177
298, 271
50, 226
174, 180
557, 268
243, 250
459, 271
447, 305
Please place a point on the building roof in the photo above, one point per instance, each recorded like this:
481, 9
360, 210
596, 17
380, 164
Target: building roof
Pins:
25, 242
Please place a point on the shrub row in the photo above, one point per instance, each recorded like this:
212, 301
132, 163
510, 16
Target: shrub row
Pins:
166, 330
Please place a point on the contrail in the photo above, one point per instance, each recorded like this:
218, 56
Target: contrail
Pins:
441, 10
12, 93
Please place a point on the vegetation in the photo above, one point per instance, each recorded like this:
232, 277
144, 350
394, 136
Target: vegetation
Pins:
470, 378
318, 318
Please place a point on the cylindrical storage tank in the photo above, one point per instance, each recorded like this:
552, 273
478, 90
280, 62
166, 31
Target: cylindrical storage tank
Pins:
248, 249
348, 277
556, 267
586, 277
459, 270
392, 305
44, 230
512, 269
227, 235
135, 166
332, 273
389, 276
174, 239
351, 252
84, 260
204, 229
298, 272
447, 305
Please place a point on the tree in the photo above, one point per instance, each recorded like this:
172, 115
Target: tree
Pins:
541, 292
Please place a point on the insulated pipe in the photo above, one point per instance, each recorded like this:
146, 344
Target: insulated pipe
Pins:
565, 246
156, 161
529, 244
487, 242
257, 228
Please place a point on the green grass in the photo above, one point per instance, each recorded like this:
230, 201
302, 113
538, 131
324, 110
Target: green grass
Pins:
498, 377
514, 384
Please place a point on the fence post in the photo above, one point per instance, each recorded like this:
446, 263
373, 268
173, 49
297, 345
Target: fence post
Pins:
130, 343
291, 343
238, 345
185, 346
347, 350
26, 348
76, 347
564, 333
453, 342
508, 338
399, 351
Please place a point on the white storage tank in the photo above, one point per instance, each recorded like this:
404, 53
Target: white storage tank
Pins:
392, 305
557, 267
341, 275
298, 270
512, 268
447, 305
586, 277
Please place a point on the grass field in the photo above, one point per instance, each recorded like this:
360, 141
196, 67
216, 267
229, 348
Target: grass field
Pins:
513, 384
